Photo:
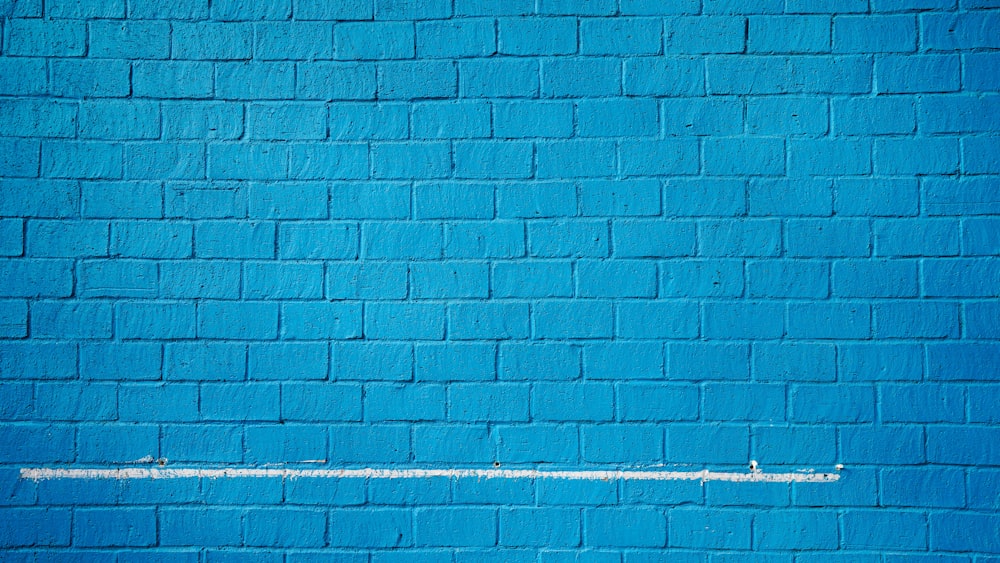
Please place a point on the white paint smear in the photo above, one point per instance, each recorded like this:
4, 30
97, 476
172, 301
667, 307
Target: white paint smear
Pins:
43, 473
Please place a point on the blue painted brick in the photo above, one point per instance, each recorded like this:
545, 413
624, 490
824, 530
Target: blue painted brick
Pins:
493, 402
874, 34
657, 319
202, 120
155, 320
383, 527
562, 319
751, 238
117, 278
23, 76
536, 443
236, 10
241, 80
907, 237
239, 402
310, 402
116, 361
75, 402
629, 197
568, 238
564, 78
788, 279
655, 402
788, 34
963, 532
852, 278
539, 361
701, 278
493, 159
499, 321
455, 38
410, 160
620, 36
102, 527
515, 119
451, 279
129, 38
778, 115
937, 488
876, 197
237, 161
407, 80
829, 320
813, 528
393, 401
317, 321
284, 443
205, 361
882, 444
382, 443
156, 402
273, 527
289, 360
203, 443
822, 405
286, 121
404, 321
922, 403
394, 361
959, 31
13, 318
979, 319
845, 74
663, 76
876, 362
693, 443
172, 79
623, 360
956, 113
455, 362
751, 319
707, 360
550, 527
21, 158
401, 241
966, 277
537, 36
704, 34
201, 526
335, 81
374, 40
12, 233
648, 158
621, 278
866, 529
622, 443
744, 156
536, 200
454, 443
700, 528
564, 402
744, 401
35, 527
575, 159
796, 361
460, 526
293, 40
612, 527
499, 78
829, 238
224, 319
122, 199
38, 118
36, 278
916, 320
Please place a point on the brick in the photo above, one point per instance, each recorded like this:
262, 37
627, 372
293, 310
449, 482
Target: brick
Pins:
349, 361
699, 528
788, 34
172, 79
621, 278
38, 118
289, 360
739, 156
642, 402
404, 321
385, 527
708, 360
293, 41
493, 159
815, 529
455, 362
657, 319
202, 120
455, 38
186, 526
232, 161
205, 361
318, 321
703, 34
372, 443
539, 361
456, 443
129, 39
395, 401
622, 443
451, 279
574, 159
495, 321
663, 76
35, 527
374, 40
498, 78
407, 80
315, 161
177, 402
491, 402
244, 80
639, 527
814, 75
239, 402
795, 361
335, 81
564, 78
791, 279
852, 278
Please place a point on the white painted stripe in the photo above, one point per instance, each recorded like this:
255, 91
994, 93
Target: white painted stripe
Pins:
43, 473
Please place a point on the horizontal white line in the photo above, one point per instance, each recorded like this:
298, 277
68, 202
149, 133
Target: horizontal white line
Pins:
42, 473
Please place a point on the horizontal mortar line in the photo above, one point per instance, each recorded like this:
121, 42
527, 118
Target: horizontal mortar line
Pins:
43, 473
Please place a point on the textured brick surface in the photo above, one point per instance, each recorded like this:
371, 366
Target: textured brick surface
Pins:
518, 233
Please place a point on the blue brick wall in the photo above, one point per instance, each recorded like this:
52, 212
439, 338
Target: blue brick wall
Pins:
573, 234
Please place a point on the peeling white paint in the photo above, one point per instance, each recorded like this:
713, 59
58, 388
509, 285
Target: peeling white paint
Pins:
757, 476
